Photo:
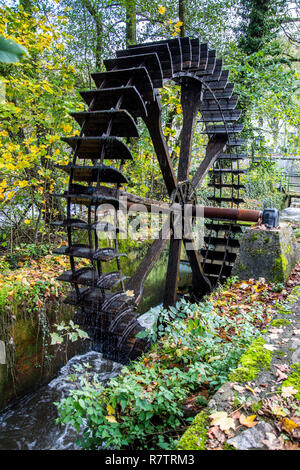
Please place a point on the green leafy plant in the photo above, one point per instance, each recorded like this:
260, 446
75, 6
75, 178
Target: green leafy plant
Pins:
67, 332
142, 407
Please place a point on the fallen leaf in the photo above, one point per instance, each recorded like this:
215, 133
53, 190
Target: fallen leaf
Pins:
281, 376
222, 419
238, 388
216, 433
272, 443
289, 425
269, 347
248, 421
287, 392
130, 293
278, 411
250, 389
290, 446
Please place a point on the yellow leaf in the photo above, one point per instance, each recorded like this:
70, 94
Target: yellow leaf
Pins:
162, 10
248, 421
130, 293
278, 411
222, 419
110, 410
111, 419
288, 391
289, 425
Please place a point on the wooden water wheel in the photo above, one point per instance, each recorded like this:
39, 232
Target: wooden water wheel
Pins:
126, 92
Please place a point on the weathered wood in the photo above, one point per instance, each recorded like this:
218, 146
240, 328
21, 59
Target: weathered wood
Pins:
190, 103
153, 123
200, 283
172, 272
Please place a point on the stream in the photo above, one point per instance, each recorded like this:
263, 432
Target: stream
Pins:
30, 423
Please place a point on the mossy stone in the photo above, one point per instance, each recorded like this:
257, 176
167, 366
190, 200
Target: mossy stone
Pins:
195, 436
252, 362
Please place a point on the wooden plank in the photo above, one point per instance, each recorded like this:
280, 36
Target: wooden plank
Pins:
190, 103
200, 283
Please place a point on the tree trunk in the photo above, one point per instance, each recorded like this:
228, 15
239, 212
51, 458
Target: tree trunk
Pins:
257, 15
181, 14
130, 22
99, 30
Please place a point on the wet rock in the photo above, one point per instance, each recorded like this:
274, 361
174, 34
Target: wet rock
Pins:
252, 438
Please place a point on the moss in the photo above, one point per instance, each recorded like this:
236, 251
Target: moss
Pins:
228, 447
195, 436
280, 322
252, 362
259, 252
242, 267
293, 380
284, 309
280, 268
254, 237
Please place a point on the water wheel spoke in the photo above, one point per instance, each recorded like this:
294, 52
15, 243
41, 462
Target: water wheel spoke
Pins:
172, 272
200, 283
215, 147
153, 122
137, 281
190, 103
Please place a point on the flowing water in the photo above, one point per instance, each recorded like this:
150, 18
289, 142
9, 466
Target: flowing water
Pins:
30, 424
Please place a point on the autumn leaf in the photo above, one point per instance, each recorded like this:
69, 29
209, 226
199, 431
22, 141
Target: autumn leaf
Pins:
289, 425
278, 411
287, 392
111, 419
130, 293
222, 419
248, 421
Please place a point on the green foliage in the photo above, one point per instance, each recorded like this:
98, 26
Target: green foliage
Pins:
71, 331
25, 253
10, 51
141, 408
37, 97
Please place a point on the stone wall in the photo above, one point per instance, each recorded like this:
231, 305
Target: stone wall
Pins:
30, 359
271, 254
